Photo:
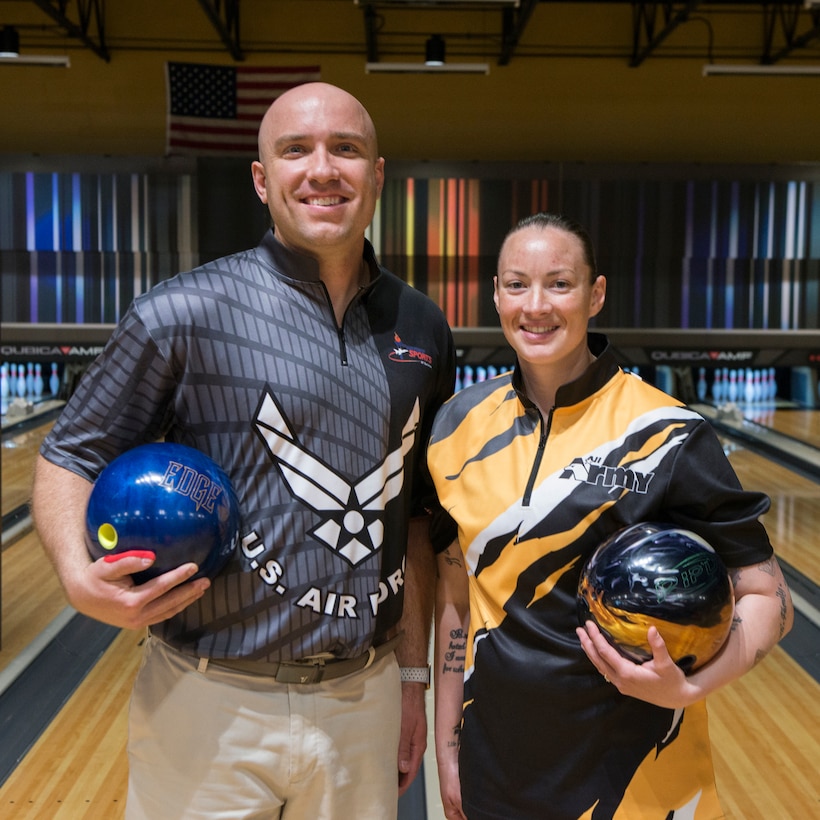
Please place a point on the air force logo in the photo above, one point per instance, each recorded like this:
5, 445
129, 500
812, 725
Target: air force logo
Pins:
351, 514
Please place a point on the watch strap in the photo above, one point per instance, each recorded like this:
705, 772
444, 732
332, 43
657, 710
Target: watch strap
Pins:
415, 674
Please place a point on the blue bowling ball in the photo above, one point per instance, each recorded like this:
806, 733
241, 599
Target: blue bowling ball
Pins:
167, 498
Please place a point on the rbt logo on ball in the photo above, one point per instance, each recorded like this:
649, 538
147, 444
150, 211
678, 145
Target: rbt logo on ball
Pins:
692, 574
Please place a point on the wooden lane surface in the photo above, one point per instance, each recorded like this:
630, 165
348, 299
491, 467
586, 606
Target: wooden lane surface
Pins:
31, 596
765, 731
799, 424
793, 521
78, 769
803, 425
18, 455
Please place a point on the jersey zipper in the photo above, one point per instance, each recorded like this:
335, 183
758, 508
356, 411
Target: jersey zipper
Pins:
342, 343
340, 329
539, 455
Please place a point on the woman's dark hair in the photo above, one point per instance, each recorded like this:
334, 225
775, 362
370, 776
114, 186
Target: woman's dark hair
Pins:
563, 223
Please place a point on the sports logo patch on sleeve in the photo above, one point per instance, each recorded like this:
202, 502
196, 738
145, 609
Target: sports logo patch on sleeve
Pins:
404, 353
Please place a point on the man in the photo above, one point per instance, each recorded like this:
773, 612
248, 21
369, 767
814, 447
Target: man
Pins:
274, 690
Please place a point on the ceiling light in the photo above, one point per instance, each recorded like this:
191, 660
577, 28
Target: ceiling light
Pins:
422, 3
9, 42
710, 70
10, 52
423, 68
434, 50
37, 59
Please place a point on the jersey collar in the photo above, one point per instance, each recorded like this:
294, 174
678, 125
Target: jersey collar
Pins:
297, 266
590, 381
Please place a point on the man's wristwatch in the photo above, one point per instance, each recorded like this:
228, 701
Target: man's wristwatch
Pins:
416, 674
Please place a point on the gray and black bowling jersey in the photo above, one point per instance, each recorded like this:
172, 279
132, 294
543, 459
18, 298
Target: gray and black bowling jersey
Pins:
321, 429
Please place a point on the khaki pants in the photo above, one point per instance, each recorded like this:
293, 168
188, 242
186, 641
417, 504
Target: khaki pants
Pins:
221, 744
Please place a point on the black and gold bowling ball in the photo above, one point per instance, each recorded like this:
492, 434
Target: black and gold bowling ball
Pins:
658, 575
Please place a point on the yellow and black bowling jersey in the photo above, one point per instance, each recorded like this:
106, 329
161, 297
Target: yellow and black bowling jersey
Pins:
543, 735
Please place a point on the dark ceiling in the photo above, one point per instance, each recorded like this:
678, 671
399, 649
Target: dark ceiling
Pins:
789, 28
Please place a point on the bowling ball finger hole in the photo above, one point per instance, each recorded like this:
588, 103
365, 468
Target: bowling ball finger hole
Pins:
107, 536
687, 663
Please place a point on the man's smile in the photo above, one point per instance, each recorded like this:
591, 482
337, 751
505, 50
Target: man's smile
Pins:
324, 200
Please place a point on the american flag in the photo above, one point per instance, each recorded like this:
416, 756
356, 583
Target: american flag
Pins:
216, 110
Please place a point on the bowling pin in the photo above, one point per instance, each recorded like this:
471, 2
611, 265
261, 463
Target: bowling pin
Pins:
702, 384
30, 378
758, 382
38, 380
772, 392
717, 387
748, 386
469, 375
21, 380
732, 392
54, 380
4, 380
459, 381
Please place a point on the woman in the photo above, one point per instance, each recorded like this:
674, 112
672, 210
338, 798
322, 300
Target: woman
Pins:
537, 717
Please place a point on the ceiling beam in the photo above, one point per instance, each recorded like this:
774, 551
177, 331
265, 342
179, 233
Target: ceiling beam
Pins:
788, 16
89, 11
514, 21
643, 24
371, 33
224, 17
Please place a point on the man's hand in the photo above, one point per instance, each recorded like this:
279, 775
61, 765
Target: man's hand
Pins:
107, 592
413, 740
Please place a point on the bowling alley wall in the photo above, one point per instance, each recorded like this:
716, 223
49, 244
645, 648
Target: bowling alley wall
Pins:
719, 250
712, 248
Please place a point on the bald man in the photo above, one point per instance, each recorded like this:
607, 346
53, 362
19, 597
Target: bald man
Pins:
292, 684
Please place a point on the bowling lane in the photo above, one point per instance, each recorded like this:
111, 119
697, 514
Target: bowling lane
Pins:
18, 458
30, 594
20, 445
765, 743
78, 767
794, 518
800, 424
32, 598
